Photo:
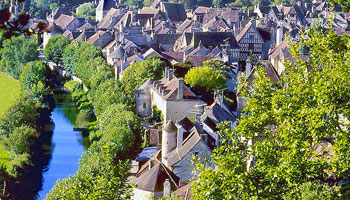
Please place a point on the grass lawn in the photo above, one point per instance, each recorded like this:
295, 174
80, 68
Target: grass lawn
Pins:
9, 92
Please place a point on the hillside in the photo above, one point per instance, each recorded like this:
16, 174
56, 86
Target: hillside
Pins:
9, 92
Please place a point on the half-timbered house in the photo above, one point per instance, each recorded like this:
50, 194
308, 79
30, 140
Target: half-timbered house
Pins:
250, 42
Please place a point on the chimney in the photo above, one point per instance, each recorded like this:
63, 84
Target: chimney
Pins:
279, 33
166, 71
180, 93
180, 135
248, 67
170, 74
167, 188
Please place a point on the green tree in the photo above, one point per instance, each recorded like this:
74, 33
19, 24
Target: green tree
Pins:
108, 93
219, 65
299, 130
138, 73
134, 4
22, 139
147, 3
17, 52
87, 71
205, 77
32, 74
55, 47
190, 4
86, 10
218, 3
70, 57
78, 52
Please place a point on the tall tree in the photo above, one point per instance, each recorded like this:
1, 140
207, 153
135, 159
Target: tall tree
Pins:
55, 47
17, 52
299, 130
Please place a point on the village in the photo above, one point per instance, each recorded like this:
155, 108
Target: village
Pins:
187, 118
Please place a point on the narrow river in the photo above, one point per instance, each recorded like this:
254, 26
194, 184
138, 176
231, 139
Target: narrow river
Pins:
67, 145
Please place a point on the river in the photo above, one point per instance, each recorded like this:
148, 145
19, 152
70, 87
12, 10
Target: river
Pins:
67, 145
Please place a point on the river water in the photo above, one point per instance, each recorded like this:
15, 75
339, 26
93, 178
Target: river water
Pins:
67, 145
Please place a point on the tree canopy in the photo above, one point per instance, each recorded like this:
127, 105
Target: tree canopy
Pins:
299, 130
55, 47
205, 77
16, 53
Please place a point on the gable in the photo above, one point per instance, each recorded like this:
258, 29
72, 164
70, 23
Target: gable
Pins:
252, 36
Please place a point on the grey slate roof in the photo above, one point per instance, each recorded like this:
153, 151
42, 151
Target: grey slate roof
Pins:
153, 179
118, 53
176, 11
106, 4
212, 39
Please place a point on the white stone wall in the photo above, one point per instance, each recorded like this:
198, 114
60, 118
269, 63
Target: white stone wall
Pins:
158, 101
143, 97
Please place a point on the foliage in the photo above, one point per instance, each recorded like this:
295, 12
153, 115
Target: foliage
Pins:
15, 26
55, 47
218, 3
32, 74
205, 77
108, 93
78, 52
25, 111
99, 176
124, 118
22, 139
134, 4
16, 52
345, 4
86, 10
147, 3
190, 4
308, 110
88, 70
182, 68
9, 92
138, 73
219, 65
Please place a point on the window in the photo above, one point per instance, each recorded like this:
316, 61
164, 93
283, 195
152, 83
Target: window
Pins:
144, 105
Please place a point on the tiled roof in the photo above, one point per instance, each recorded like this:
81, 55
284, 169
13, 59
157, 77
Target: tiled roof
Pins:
148, 10
64, 20
170, 89
186, 24
153, 179
198, 60
177, 56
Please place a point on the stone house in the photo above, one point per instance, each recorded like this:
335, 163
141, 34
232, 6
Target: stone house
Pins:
172, 97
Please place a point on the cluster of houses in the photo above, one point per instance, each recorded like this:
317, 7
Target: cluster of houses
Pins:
167, 30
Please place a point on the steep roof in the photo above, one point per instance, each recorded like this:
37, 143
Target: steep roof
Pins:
153, 179
170, 127
106, 4
119, 52
53, 28
176, 11
187, 145
63, 20
212, 39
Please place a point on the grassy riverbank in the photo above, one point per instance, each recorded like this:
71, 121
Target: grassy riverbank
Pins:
9, 92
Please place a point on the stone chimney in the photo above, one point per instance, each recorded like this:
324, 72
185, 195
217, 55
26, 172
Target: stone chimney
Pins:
166, 71
248, 67
279, 33
180, 135
180, 91
170, 74
167, 188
